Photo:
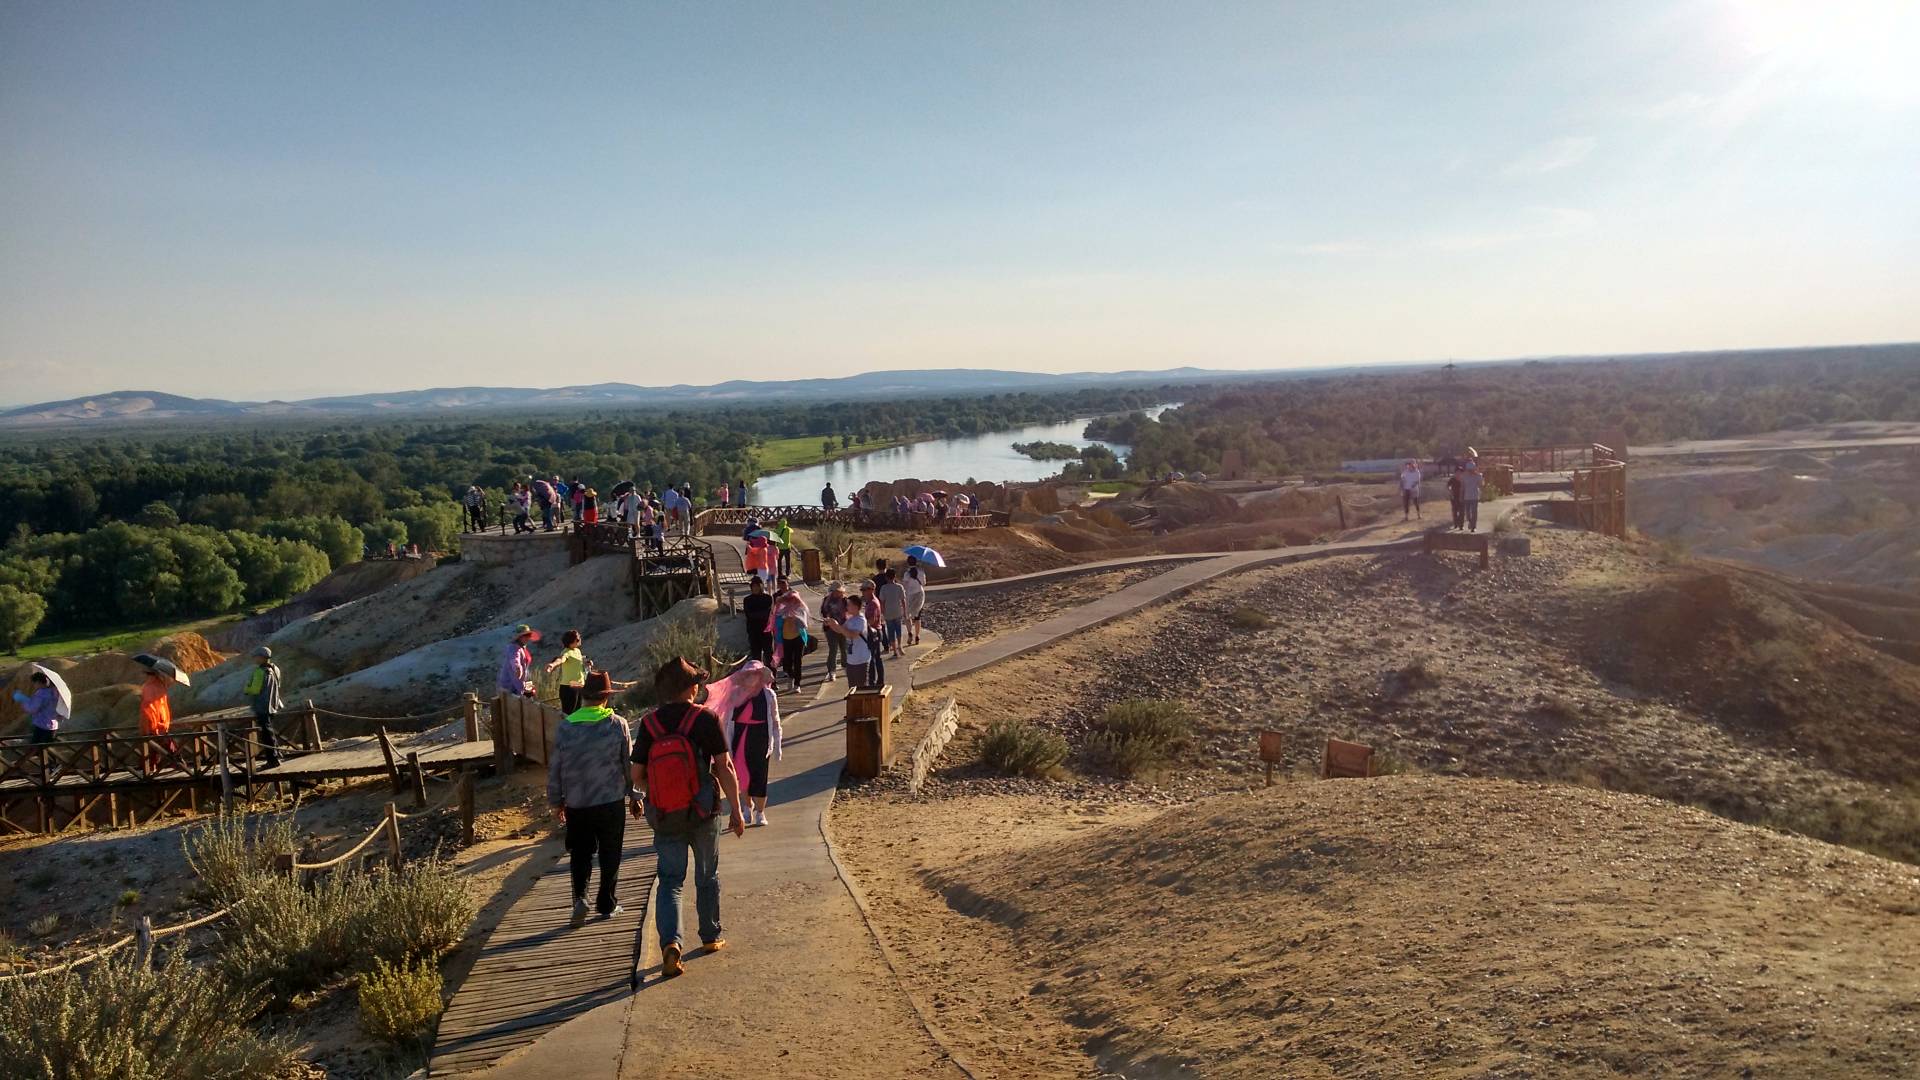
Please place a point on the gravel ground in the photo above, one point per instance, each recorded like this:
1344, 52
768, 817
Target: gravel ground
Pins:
962, 620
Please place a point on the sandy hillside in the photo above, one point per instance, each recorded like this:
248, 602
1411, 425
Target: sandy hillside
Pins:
1405, 926
1591, 661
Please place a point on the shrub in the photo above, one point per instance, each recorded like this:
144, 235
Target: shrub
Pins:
45, 925
833, 539
1138, 736
230, 850
399, 1002
115, 1018
416, 914
691, 636
1022, 749
290, 939
1248, 618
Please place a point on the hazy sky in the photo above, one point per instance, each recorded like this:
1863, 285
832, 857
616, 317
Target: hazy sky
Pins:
276, 200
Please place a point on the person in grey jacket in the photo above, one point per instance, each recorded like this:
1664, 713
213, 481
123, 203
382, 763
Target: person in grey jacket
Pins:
587, 786
263, 693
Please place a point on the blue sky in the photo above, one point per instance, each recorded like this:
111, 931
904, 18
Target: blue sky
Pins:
277, 200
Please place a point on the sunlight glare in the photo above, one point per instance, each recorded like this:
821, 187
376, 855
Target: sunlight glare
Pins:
1866, 46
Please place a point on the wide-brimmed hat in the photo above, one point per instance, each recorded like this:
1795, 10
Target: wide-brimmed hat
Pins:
837, 587
598, 684
525, 631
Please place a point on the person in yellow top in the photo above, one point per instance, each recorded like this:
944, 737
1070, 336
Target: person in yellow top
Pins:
783, 539
572, 665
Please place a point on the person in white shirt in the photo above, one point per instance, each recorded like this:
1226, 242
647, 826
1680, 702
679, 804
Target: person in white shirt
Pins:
1410, 490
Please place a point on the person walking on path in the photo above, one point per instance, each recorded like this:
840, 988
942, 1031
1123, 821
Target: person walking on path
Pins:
790, 633
915, 585
572, 665
516, 666
156, 712
753, 731
834, 608
1410, 490
851, 629
681, 771
783, 540
1453, 497
263, 693
893, 609
870, 618
42, 708
546, 497
757, 611
1470, 481
828, 500
587, 774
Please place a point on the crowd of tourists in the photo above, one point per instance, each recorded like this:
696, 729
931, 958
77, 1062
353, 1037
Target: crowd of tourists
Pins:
547, 505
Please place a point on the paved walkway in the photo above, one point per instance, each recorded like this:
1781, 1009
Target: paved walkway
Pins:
803, 991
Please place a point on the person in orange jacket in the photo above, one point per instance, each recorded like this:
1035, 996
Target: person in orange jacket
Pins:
156, 712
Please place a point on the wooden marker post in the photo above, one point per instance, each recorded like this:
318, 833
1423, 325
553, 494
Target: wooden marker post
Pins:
386, 751
472, 733
312, 726
393, 836
1273, 748
226, 773
419, 780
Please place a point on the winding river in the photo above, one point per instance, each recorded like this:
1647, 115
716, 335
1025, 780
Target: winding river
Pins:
981, 457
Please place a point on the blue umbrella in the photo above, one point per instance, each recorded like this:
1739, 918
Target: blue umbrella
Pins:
926, 555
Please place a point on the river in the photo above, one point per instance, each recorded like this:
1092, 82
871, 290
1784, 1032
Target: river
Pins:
988, 457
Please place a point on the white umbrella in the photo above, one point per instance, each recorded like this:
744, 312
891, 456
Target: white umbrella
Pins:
163, 666
65, 709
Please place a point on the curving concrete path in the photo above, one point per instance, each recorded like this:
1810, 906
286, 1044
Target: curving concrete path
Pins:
804, 990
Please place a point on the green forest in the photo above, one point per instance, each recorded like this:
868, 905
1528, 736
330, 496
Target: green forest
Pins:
1315, 423
179, 522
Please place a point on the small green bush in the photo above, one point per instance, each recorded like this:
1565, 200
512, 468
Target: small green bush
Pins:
1022, 749
290, 939
398, 1003
1248, 618
117, 1019
416, 914
691, 636
1139, 736
231, 850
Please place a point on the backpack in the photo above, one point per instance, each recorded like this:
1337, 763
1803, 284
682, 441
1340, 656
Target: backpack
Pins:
673, 772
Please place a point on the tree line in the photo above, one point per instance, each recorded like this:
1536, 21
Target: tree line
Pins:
181, 522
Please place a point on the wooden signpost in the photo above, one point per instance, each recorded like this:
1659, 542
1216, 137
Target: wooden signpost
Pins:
1346, 759
1273, 748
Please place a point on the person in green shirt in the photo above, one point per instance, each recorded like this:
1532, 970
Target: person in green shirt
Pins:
783, 539
572, 665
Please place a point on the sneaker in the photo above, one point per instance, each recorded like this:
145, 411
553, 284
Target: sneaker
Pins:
579, 912
670, 964
713, 946
618, 910
760, 818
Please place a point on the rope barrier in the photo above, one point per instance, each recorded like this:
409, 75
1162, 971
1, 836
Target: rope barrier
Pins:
348, 854
454, 710
100, 954
434, 808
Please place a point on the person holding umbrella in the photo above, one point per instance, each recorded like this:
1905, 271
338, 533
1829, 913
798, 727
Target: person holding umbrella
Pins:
263, 693
50, 703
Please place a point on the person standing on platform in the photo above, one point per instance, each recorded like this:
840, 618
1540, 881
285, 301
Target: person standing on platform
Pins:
757, 611
572, 665
828, 500
263, 694
783, 540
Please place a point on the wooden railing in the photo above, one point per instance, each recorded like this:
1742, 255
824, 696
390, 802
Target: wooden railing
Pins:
1600, 499
1546, 458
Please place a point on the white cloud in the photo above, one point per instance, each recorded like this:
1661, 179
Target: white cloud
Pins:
1561, 153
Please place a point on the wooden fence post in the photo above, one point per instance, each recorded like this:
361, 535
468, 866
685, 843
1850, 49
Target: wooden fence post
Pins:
283, 864
502, 742
393, 835
226, 774
473, 717
312, 726
1342, 505
246, 746
143, 942
419, 780
386, 751
466, 806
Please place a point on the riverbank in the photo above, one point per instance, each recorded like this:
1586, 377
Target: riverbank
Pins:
775, 456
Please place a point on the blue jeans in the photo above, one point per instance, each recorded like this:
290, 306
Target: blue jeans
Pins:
672, 848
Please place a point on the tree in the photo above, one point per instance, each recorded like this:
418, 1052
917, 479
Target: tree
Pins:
826, 449
434, 526
157, 515
20, 615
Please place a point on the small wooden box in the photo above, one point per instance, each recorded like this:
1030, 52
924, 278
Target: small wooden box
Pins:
1346, 759
1273, 746
869, 732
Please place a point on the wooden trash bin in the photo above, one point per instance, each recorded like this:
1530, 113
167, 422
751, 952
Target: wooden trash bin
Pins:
810, 565
869, 732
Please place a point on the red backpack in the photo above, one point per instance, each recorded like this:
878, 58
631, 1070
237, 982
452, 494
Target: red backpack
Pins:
673, 769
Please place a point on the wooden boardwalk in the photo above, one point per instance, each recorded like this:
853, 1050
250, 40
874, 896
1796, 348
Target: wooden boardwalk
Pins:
535, 973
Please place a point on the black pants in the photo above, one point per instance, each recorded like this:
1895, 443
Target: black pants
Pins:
269, 744
477, 518
40, 735
792, 653
786, 562
1459, 514
569, 697
877, 669
598, 830
760, 644
758, 744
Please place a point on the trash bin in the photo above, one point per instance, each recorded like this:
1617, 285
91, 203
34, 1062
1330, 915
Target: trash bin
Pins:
869, 732
810, 565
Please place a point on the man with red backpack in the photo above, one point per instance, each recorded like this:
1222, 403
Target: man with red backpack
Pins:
681, 770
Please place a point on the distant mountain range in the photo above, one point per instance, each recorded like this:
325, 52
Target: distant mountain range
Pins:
132, 406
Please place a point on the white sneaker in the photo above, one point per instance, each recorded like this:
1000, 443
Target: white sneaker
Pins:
760, 817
